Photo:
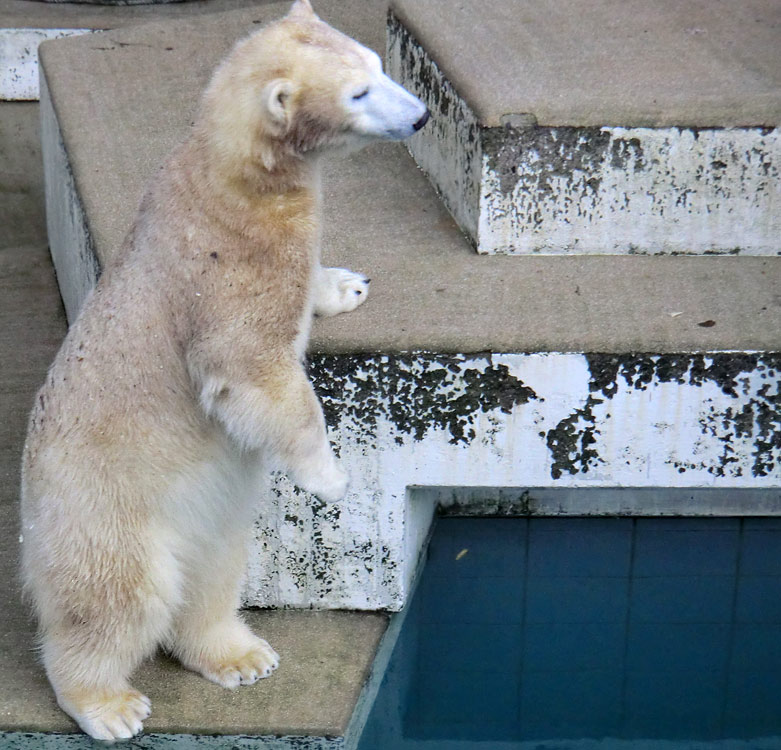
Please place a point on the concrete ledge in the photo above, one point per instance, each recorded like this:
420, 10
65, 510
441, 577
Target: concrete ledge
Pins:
19, 60
24, 24
35, 14
326, 659
581, 133
430, 291
66, 223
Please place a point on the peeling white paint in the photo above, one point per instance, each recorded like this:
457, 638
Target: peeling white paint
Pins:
524, 189
19, 60
675, 190
450, 151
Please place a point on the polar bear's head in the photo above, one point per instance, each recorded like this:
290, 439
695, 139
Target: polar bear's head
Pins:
298, 88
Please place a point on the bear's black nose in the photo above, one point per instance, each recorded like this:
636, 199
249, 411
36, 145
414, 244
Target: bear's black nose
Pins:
422, 121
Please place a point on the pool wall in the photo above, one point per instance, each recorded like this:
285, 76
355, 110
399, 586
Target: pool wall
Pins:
697, 433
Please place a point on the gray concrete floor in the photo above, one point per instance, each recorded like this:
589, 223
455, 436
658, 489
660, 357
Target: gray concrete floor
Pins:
326, 656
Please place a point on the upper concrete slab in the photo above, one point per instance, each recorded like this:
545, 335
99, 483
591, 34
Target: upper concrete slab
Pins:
62, 15
124, 98
608, 62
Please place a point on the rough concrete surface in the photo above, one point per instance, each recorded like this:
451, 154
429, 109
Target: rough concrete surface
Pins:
615, 156
325, 656
430, 291
609, 62
41, 15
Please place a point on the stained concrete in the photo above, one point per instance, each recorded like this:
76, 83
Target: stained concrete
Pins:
608, 62
325, 655
567, 135
429, 290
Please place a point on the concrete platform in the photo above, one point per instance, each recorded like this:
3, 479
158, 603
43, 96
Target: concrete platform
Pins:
24, 24
430, 292
613, 127
326, 655
61, 15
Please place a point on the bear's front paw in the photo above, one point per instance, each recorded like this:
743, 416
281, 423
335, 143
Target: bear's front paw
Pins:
339, 290
329, 485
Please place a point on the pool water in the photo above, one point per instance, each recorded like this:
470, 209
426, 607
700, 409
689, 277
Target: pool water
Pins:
557, 633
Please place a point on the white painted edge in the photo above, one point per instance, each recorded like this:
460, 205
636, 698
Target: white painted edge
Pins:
19, 60
678, 502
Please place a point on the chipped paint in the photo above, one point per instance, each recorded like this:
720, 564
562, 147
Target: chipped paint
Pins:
630, 190
524, 188
19, 60
403, 423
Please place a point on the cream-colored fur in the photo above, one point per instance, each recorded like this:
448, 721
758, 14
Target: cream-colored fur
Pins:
181, 381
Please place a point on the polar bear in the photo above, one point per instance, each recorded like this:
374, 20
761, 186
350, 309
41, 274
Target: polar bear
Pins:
182, 379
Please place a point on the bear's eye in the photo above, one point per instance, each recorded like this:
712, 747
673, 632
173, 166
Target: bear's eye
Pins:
361, 95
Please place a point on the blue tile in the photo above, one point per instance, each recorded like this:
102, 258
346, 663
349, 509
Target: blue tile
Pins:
669, 646
761, 553
576, 600
480, 648
558, 647
676, 552
756, 647
477, 547
682, 599
561, 705
471, 600
463, 697
442, 736
580, 546
759, 599
675, 705
753, 704
761, 522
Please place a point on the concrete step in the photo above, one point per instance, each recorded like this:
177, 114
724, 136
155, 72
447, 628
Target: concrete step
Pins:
617, 127
24, 24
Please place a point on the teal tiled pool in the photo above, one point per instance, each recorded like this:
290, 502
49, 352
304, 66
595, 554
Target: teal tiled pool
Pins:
555, 633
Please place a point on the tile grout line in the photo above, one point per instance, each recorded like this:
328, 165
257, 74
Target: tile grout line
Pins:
524, 602
731, 638
627, 624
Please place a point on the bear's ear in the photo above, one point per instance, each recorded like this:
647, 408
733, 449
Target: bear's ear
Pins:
301, 9
277, 102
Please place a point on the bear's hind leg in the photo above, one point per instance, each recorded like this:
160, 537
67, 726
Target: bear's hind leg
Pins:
209, 636
89, 659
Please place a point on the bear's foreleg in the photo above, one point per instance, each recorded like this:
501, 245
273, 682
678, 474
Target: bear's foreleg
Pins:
275, 410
